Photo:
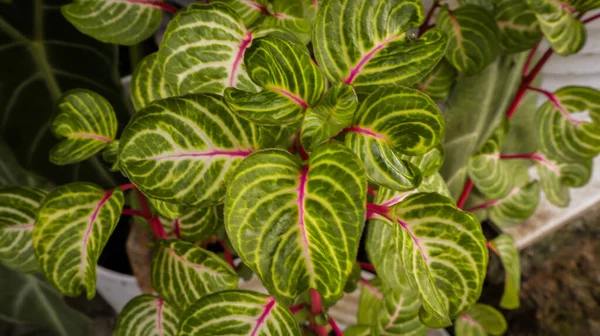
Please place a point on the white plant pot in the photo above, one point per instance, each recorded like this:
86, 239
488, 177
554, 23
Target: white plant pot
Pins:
116, 288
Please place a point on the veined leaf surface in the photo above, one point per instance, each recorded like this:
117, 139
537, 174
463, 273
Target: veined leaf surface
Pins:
118, 22
290, 80
504, 246
330, 116
564, 32
184, 149
559, 135
439, 242
72, 226
18, 208
367, 44
148, 83
297, 226
87, 121
358, 330
556, 178
248, 10
238, 313
203, 50
472, 37
439, 82
517, 206
584, 5
147, 315
487, 4
428, 163
195, 224
393, 121
519, 28
182, 273
294, 16
480, 320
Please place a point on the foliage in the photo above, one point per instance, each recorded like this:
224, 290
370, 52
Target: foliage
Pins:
283, 130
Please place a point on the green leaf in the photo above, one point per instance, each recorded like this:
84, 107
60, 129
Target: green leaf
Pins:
18, 208
238, 313
428, 163
358, 330
291, 82
147, 315
367, 44
72, 226
369, 302
30, 300
439, 82
516, 207
118, 22
248, 11
353, 279
390, 122
88, 123
195, 224
183, 273
333, 113
583, 6
473, 41
556, 178
561, 137
148, 83
439, 242
293, 16
111, 155
203, 50
487, 4
184, 149
298, 225
565, 33
489, 173
504, 246
519, 28
481, 320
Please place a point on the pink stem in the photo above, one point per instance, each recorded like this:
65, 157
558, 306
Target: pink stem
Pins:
157, 228
226, 252
366, 266
491, 247
127, 186
334, 326
177, 229
297, 308
316, 308
132, 212
556, 103
378, 209
484, 205
529, 60
592, 18
465, 194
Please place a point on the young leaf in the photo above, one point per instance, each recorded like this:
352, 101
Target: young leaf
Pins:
18, 208
367, 44
519, 28
556, 178
238, 313
147, 315
385, 126
183, 273
504, 247
184, 149
118, 22
438, 242
292, 16
72, 226
439, 82
330, 116
195, 224
148, 83
472, 38
248, 11
298, 226
564, 32
290, 80
203, 50
481, 320
517, 206
562, 137
87, 121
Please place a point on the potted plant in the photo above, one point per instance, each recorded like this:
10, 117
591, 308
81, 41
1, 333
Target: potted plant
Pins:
284, 131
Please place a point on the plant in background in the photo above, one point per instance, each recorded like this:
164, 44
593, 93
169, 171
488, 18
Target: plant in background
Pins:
288, 129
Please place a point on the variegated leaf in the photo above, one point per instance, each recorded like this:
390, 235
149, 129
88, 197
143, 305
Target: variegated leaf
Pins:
72, 226
148, 83
195, 224
182, 273
516, 207
439, 242
333, 113
18, 209
111, 155
88, 123
298, 225
184, 149
583, 6
203, 50
367, 44
290, 80
519, 28
358, 330
439, 82
473, 38
480, 320
294, 16
428, 163
487, 4
489, 173
504, 246
147, 315
248, 10
168, 210
118, 22
564, 32
390, 122
562, 137
238, 313
556, 178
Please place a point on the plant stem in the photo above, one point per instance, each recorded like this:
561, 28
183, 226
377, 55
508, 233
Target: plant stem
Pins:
367, 266
492, 248
484, 205
462, 199
157, 228
378, 209
529, 60
535, 157
371, 191
316, 308
592, 18
133, 212
425, 26
127, 186
297, 308
334, 326
226, 252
